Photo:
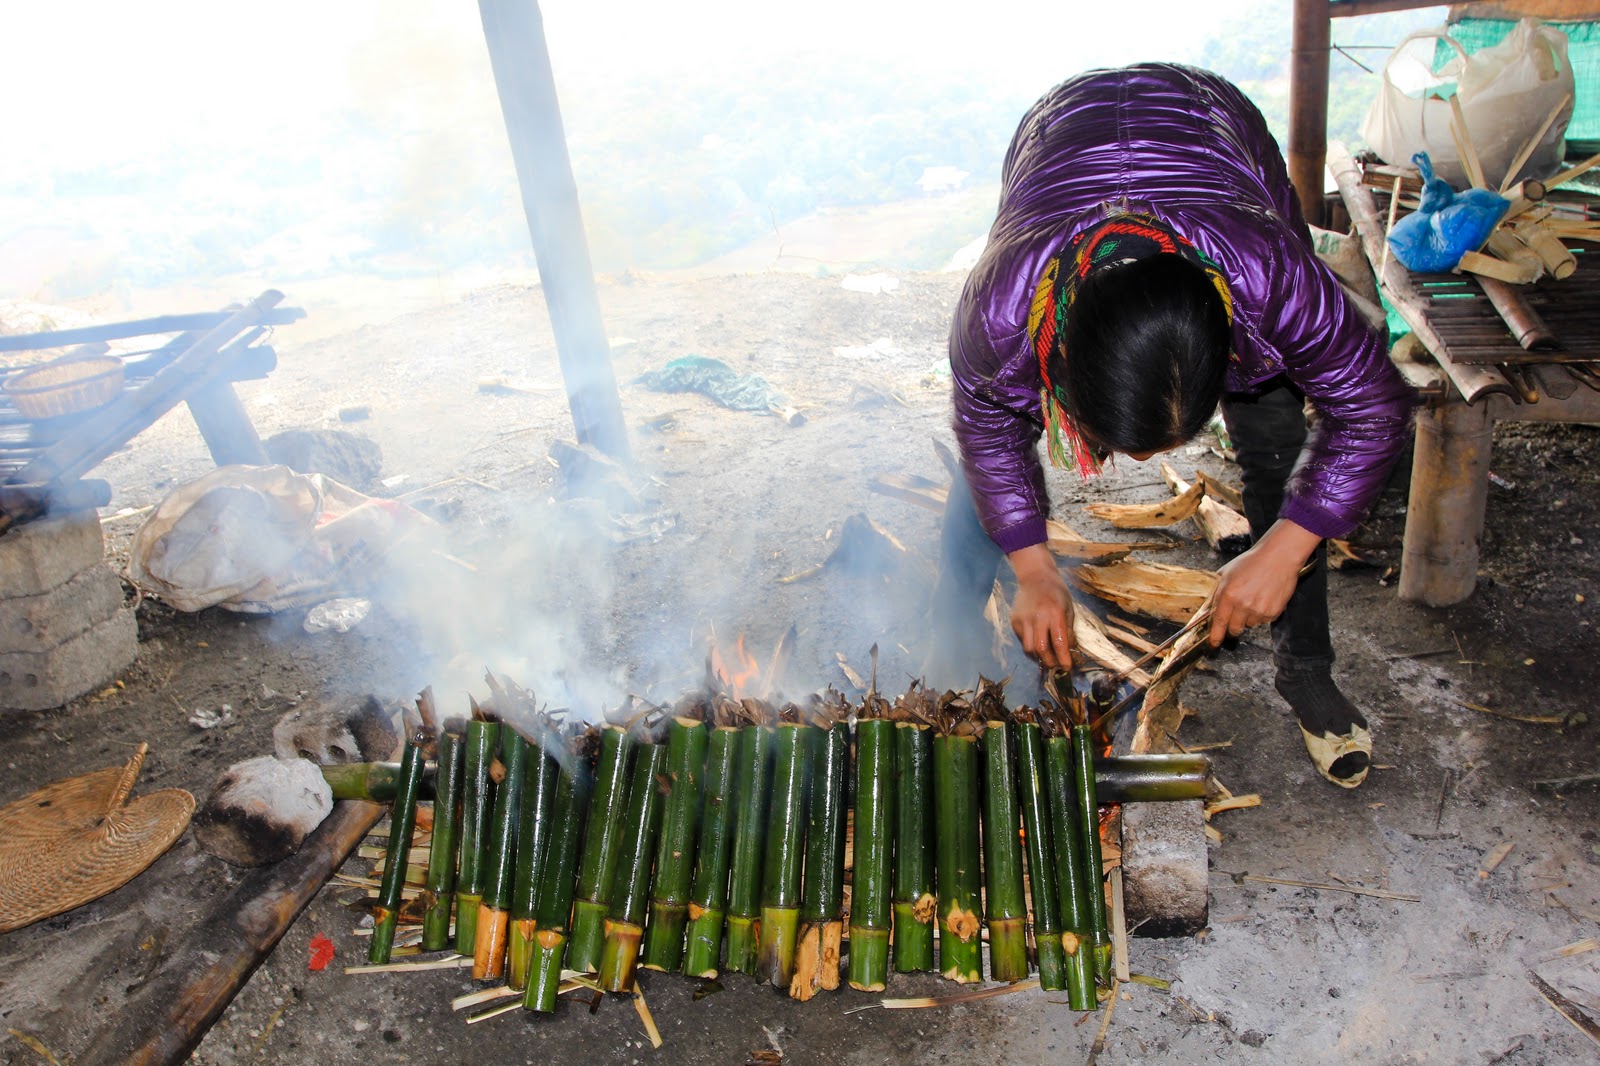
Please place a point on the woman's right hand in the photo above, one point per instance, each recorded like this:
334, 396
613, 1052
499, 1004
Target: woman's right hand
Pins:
1041, 614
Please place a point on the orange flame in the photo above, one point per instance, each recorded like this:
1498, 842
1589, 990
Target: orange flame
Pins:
739, 681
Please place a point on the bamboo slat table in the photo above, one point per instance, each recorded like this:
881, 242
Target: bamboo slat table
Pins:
1481, 374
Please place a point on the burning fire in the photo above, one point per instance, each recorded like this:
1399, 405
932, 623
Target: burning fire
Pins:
738, 682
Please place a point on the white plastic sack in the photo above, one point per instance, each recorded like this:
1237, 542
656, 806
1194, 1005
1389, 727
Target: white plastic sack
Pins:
263, 538
1506, 92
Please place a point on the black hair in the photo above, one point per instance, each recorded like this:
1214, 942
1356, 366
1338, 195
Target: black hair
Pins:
1144, 354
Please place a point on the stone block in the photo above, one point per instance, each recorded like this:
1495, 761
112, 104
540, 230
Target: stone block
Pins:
38, 556
1164, 867
50, 619
37, 681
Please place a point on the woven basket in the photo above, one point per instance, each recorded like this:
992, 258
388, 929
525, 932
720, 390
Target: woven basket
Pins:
65, 386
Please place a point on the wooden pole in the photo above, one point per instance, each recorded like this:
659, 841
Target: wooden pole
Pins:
1449, 491
514, 31
1308, 103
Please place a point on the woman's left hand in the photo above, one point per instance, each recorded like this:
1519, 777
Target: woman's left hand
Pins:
1255, 587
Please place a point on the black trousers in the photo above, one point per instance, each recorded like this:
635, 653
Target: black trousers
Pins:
1268, 432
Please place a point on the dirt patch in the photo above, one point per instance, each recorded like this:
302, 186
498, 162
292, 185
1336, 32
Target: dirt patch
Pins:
566, 601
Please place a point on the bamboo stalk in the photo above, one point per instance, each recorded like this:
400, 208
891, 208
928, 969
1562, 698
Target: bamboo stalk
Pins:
1149, 778
871, 883
553, 917
630, 889
601, 843
534, 828
489, 947
1083, 759
784, 853
441, 879
1034, 793
386, 915
915, 904
1066, 827
675, 844
1005, 905
821, 936
709, 893
752, 794
960, 877
477, 804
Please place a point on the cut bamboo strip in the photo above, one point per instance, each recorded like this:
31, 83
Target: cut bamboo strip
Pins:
1469, 151
1533, 142
1489, 266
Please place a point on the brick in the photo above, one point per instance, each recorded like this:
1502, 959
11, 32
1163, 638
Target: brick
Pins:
50, 619
39, 556
1164, 867
37, 681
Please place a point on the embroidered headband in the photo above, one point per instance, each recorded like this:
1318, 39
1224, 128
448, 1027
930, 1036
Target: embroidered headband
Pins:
1119, 239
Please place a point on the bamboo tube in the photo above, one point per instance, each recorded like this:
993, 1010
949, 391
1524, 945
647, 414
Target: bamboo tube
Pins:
871, 885
784, 853
534, 827
1083, 761
709, 893
441, 880
1551, 251
374, 782
1033, 791
1005, 905
601, 842
489, 946
960, 877
630, 888
1066, 829
1505, 244
573, 789
675, 844
821, 937
915, 904
386, 915
1151, 778
752, 793
477, 804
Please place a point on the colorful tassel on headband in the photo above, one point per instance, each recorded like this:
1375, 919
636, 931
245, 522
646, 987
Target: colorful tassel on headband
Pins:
1116, 240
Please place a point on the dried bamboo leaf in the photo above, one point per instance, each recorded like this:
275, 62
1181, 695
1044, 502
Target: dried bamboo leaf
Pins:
1219, 523
1149, 515
1156, 590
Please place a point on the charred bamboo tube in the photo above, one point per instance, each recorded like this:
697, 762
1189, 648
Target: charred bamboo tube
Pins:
1005, 904
960, 877
602, 839
872, 884
780, 874
386, 915
1072, 890
489, 947
708, 894
1033, 792
552, 919
534, 828
446, 831
477, 804
1083, 758
675, 845
752, 781
821, 937
1151, 778
914, 901
630, 889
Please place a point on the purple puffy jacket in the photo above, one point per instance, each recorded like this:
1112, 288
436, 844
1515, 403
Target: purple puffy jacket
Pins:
1185, 146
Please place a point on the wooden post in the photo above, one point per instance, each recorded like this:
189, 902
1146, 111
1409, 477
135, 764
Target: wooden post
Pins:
514, 31
1308, 103
1449, 491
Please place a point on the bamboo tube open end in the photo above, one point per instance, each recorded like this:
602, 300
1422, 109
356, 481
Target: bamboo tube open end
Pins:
588, 937
913, 937
703, 951
1008, 950
869, 959
544, 977
1052, 964
780, 931
663, 941
489, 947
807, 979
743, 936
619, 960
519, 953
467, 904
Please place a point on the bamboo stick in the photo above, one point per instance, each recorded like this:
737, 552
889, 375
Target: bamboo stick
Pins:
752, 791
630, 888
489, 946
784, 854
1066, 827
552, 920
1521, 157
441, 880
603, 834
871, 883
955, 790
1572, 172
477, 805
1005, 905
386, 915
821, 935
709, 893
915, 904
1468, 151
1033, 792
669, 893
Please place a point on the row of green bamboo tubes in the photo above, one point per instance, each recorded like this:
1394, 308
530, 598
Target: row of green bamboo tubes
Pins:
685, 846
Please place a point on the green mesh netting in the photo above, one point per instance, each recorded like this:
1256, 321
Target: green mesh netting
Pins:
1583, 51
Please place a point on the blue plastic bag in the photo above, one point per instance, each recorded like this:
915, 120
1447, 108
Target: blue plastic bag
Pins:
1448, 224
